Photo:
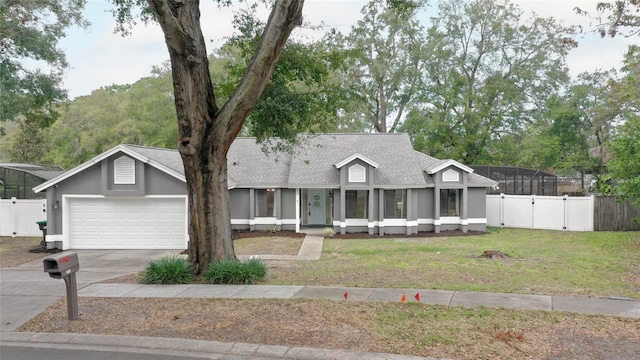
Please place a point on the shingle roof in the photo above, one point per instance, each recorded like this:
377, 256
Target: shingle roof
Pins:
311, 164
315, 165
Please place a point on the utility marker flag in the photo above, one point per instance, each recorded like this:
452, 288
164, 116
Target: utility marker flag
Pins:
403, 299
346, 295
417, 297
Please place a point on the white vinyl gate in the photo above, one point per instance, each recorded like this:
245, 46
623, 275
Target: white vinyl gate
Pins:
541, 212
18, 217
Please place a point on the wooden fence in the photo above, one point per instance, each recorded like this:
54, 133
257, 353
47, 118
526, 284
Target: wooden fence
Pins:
610, 215
18, 217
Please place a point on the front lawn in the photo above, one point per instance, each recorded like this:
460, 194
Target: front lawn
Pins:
597, 264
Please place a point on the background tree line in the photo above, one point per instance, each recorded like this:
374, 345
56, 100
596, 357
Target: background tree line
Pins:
479, 81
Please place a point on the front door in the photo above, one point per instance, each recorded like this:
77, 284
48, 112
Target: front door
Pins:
317, 206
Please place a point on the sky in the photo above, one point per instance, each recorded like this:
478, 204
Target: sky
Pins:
98, 57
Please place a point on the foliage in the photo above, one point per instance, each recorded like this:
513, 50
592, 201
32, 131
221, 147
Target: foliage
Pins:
300, 96
624, 167
235, 272
492, 74
142, 113
614, 16
328, 232
28, 144
380, 63
168, 270
29, 34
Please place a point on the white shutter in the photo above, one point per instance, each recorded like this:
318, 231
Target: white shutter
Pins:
124, 171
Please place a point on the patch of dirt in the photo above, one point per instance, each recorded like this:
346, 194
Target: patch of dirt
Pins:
242, 234
494, 254
410, 329
17, 251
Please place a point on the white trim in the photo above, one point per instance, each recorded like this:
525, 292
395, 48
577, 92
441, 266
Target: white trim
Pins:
267, 220
65, 213
356, 222
437, 222
477, 221
448, 163
413, 223
105, 155
289, 222
371, 225
425, 221
336, 223
394, 222
297, 219
450, 220
356, 156
343, 224
239, 221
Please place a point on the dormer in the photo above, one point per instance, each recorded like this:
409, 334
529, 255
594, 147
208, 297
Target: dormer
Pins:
357, 169
450, 172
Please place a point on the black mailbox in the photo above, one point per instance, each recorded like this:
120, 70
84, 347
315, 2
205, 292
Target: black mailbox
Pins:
61, 264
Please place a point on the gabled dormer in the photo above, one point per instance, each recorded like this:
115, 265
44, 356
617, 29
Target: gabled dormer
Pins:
357, 170
449, 172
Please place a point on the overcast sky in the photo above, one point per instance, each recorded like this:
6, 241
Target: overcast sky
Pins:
98, 57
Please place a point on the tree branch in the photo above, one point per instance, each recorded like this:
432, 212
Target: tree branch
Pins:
285, 16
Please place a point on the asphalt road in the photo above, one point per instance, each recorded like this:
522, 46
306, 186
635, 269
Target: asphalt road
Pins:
17, 352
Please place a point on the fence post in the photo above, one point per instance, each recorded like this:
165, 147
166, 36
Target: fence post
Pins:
565, 212
533, 211
501, 210
13, 215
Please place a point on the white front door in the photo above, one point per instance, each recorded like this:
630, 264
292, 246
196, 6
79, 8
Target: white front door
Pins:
317, 206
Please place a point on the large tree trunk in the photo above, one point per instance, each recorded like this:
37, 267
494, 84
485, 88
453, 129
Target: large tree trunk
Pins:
206, 131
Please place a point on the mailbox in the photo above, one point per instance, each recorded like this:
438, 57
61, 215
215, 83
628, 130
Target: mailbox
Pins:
61, 264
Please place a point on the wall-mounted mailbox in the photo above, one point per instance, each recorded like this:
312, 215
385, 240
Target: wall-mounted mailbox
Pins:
61, 264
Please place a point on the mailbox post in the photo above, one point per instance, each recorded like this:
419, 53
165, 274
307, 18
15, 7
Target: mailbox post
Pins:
65, 265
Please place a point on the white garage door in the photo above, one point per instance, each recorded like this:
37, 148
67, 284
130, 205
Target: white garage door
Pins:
127, 223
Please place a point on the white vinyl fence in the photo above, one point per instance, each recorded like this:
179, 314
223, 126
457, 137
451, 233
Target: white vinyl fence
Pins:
18, 217
541, 212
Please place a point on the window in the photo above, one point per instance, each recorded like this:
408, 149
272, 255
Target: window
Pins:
449, 202
124, 170
357, 173
265, 202
356, 204
395, 204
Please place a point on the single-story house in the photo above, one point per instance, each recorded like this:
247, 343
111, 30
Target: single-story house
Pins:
134, 197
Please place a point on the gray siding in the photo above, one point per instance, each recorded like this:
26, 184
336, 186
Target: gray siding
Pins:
288, 201
239, 203
477, 202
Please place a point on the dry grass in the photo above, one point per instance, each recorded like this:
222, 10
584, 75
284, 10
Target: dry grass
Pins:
268, 245
412, 329
15, 251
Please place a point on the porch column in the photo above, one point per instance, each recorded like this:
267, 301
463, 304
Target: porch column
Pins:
252, 209
436, 211
343, 222
370, 205
381, 212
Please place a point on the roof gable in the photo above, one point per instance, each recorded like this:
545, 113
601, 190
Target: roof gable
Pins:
130, 150
443, 164
354, 157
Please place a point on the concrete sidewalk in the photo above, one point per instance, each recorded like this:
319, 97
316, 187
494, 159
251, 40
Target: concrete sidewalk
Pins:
611, 307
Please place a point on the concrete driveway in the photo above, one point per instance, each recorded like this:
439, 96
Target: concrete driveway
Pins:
26, 290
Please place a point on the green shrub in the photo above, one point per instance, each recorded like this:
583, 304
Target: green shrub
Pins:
328, 232
168, 270
234, 272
